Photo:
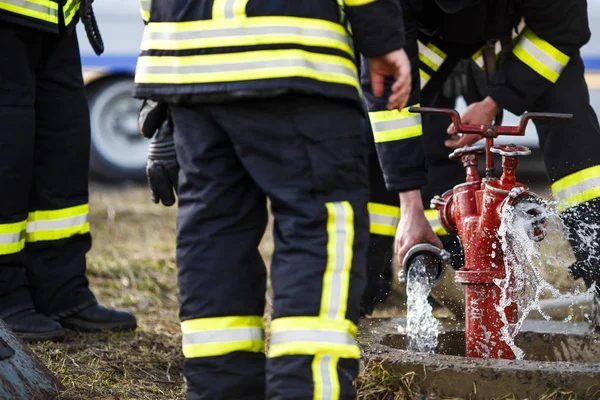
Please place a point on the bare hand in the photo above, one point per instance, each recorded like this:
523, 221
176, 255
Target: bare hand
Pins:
413, 227
480, 113
397, 65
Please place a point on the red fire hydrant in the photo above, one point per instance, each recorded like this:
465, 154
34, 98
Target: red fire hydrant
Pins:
473, 210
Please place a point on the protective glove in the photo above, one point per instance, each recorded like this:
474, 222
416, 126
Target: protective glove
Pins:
161, 169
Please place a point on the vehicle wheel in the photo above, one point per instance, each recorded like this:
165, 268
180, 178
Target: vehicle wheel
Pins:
118, 151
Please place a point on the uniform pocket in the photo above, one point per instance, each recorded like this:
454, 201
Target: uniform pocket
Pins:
337, 150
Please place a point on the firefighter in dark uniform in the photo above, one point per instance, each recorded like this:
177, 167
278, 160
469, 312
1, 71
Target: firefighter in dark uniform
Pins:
264, 101
539, 70
44, 153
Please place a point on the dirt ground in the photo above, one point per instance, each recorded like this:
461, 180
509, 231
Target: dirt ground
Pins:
132, 267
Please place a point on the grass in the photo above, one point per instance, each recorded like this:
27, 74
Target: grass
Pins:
132, 267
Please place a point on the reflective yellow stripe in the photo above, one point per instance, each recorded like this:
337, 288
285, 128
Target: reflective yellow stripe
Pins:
209, 337
145, 11
252, 65
356, 3
69, 10
478, 56
325, 377
57, 224
540, 55
389, 126
577, 188
431, 55
12, 237
425, 77
247, 32
340, 242
313, 336
384, 220
44, 10
229, 9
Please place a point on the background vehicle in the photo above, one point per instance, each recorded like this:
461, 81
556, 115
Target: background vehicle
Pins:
118, 152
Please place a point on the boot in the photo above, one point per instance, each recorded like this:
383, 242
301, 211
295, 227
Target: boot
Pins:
32, 326
97, 318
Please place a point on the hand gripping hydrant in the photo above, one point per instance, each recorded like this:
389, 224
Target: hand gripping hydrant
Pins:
473, 211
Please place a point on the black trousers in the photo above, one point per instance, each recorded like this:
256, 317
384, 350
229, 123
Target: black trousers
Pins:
44, 155
308, 156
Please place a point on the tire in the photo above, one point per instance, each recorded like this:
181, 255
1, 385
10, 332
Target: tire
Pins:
117, 151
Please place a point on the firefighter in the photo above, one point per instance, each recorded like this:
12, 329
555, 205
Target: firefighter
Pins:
540, 70
264, 101
44, 148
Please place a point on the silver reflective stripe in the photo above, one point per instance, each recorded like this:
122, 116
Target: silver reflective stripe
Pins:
144, 68
312, 335
70, 6
540, 55
399, 123
56, 224
431, 55
249, 31
382, 219
229, 9
327, 389
223, 336
10, 238
577, 188
32, 6
340, 259
145, 5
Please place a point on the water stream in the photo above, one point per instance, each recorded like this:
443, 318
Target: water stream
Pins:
422, 327
524, 259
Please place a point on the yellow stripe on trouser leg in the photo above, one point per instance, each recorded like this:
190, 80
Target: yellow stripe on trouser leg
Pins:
577, 188
218, 336
46, 225
540, 55
384, 220
340, 242
12, 237
389, 126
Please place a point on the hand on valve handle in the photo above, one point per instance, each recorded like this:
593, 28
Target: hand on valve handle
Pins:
413, 227
480, 113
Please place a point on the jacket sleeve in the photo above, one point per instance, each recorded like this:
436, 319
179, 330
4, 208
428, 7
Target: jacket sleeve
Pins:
555, 31
398, 134
376, 25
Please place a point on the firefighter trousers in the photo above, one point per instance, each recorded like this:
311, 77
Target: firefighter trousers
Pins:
307, 155
44, 155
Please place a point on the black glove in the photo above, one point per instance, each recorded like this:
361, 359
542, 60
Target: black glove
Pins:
162, 169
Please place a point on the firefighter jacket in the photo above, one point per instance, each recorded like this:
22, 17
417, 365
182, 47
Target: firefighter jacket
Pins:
45, 15
206, 48
554, 32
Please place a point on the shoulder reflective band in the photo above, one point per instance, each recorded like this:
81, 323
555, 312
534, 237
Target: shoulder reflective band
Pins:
577, 188
12, 237
478, 56
265, 64
540, 55
246, 32
229, 9
384, 220
209, 337
389, 126
431, 55
69, 10
44, 10
57, 224
340, 250
312, 336
145, 11
425, 77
